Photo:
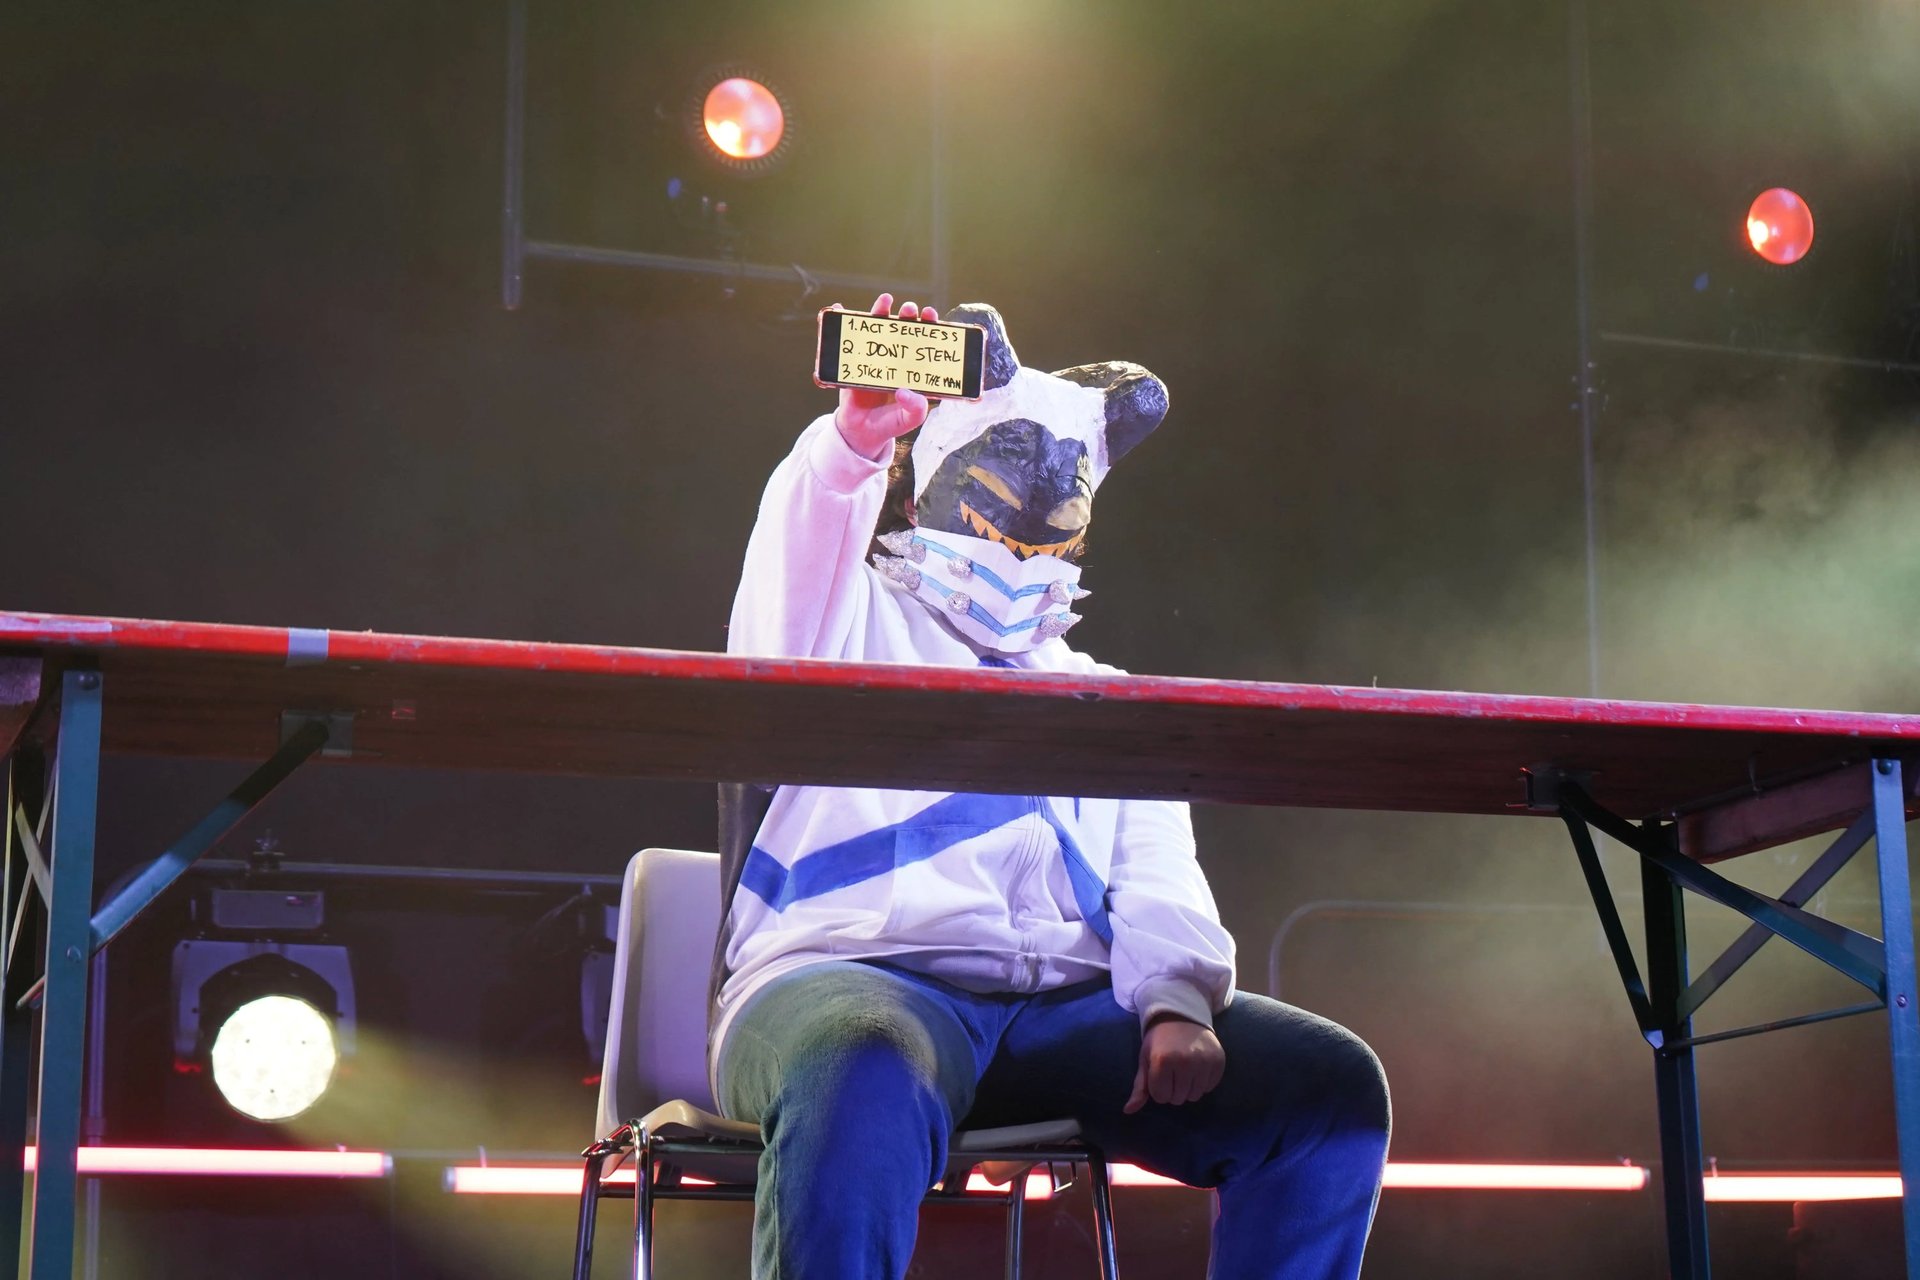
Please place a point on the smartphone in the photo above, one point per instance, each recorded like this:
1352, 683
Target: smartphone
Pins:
858, 349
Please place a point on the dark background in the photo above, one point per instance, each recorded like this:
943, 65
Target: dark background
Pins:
254, 367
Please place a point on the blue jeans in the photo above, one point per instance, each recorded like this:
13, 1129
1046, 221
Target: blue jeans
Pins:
858, 1073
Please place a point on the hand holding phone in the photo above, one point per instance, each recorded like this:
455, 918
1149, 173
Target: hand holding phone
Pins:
871, 418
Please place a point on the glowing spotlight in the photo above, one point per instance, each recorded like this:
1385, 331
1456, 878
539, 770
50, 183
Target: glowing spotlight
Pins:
273, 1057
1780, 226
269, 1020
741, 120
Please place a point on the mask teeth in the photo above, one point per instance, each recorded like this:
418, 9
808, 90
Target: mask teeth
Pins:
1057, 624
902, 543
959, 567
959, 602
899, 570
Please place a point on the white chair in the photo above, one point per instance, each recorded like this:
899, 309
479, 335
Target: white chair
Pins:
656, 1107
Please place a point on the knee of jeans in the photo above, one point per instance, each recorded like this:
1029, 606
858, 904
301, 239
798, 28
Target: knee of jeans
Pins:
864, 1063
1356, 1085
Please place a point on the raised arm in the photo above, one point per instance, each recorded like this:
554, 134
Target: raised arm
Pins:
802, 589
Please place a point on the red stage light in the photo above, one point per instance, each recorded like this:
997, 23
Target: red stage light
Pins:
1780, 226
743, 118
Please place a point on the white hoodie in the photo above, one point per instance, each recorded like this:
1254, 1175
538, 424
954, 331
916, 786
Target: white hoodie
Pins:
991, 893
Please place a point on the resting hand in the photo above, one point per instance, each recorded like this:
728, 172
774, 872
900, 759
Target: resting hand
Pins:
870, 421
1180, 1061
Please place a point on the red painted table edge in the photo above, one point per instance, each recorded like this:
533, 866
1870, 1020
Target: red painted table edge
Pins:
78, 634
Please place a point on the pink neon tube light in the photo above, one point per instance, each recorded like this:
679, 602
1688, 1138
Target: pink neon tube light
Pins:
1758, 1188
1517, 1177
532, 1179
242, 1163
565, 1181
520, 1179
1461, 1177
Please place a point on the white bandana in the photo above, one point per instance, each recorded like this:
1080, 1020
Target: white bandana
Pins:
989, 594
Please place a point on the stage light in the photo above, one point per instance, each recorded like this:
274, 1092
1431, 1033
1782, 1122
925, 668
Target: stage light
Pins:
1780, 226
273, 1057
268, 1019
743, 118
741, 121
600, 925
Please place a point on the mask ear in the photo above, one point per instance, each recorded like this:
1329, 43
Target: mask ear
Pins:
1136, 402
1001, 363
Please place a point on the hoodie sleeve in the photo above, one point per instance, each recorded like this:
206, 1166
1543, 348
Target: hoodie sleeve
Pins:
804, 586
1170, 952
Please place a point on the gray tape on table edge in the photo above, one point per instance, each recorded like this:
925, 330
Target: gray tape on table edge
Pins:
306, 646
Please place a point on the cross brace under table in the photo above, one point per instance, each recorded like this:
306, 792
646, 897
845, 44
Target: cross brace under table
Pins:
1666, 998
73, 933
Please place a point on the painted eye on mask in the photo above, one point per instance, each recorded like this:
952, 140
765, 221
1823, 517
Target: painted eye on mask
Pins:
1074, 513
995, 485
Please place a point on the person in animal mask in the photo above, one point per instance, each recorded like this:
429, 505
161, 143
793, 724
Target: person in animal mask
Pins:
893, 963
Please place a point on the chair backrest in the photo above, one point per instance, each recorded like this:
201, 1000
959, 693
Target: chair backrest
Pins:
657, 1027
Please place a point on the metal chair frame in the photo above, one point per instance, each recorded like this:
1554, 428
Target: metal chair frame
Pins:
661, 1054
665, 1142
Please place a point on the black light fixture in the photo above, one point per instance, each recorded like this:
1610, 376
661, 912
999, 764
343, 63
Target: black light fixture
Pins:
757, 126
739, 128
737, 118
269, 1019
600, 928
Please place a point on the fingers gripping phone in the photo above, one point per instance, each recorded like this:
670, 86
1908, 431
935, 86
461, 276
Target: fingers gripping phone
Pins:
881, 353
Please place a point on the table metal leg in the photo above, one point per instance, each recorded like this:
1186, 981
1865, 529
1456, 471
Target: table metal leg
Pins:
69, 950
1678, 1093
1665, 1008
16, 1022
1903, 999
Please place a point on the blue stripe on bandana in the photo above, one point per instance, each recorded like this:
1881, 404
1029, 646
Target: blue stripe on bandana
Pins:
987, 620
994, 625
986, 575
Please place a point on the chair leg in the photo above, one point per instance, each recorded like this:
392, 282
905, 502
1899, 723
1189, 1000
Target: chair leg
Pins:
1103, 1213
642, 1204
1016, 1221
589, 1212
